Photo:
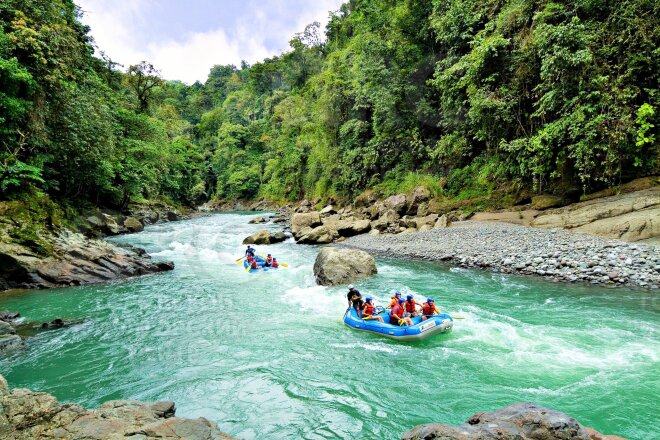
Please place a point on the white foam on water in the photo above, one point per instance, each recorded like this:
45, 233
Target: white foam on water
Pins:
370, 347
551, 347
549, 301
314, 299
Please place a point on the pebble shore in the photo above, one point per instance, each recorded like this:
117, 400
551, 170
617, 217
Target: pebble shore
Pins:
556, 255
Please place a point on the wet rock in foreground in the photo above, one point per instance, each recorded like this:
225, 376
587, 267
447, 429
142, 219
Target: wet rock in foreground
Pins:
28, 415
515, 422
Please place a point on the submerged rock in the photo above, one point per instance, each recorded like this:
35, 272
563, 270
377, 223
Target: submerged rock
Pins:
58, 323
340, 266
27, 415
257, 220
517, 421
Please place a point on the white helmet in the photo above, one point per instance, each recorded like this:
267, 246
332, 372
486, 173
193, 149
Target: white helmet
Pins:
350, 286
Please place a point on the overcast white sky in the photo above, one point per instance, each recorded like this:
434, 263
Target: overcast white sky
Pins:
184, 39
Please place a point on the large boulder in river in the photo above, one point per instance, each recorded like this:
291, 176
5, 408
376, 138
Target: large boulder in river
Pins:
28, 415
517, 421
265, 237
341, 266
300, 222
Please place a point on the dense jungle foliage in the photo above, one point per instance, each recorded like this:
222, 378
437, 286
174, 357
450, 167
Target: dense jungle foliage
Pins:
463, 96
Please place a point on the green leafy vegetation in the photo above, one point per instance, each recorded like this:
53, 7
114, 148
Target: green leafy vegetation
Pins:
467, 98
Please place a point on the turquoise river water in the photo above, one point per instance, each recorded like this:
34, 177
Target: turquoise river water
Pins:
266, 355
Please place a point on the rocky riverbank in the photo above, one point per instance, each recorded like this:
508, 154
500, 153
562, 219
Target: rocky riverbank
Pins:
28, 415
556, 255
42, 245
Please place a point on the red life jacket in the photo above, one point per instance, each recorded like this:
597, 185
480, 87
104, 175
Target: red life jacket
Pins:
410, 306
255, 265
428, 309
269, 261
397, 310
368, 309
249, 259
275, 264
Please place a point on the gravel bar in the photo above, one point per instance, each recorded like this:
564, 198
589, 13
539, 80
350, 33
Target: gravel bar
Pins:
554, 254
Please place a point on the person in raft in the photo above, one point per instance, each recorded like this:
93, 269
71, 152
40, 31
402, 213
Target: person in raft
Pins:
368, 311
275, 263
254, 264
395, 299
429, 309
396, 315
249, 252
355, 299
249, 259
410, 307
269, 260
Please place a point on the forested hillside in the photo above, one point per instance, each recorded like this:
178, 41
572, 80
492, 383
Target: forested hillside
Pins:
463, 96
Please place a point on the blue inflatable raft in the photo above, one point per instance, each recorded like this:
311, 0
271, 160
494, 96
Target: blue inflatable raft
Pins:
436, 324
260, 262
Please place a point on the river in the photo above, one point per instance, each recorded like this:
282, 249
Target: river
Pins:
266, 355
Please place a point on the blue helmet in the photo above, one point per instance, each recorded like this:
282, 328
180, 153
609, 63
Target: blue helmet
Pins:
401, 300
368, 299
269, 255
410, 297
397, 293
430, 300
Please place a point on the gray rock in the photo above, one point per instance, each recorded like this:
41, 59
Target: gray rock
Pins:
328, 210
27, 415
335, 266
442, 222
265, 237
75, 260
397, 203
300, 222
258, 220
6, 329
320, 235
517, 421
10, 343
132, 224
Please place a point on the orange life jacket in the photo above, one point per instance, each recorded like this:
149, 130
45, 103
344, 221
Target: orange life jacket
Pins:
394, 301
368, 309
428, 309
410, 306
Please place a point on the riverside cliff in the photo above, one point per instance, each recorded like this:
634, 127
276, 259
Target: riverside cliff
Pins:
43, 245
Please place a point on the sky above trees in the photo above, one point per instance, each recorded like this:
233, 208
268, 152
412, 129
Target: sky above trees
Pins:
185, 39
